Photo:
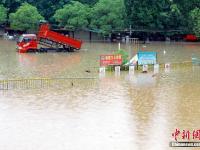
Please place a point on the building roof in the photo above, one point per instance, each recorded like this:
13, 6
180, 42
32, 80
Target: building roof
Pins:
28, 35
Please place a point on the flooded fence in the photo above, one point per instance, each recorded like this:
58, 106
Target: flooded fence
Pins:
37, 83
195, 60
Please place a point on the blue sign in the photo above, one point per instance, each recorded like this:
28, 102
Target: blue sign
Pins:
147, 58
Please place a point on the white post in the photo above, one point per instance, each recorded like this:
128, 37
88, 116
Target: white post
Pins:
117, 70
145, 68
102, 71
156, 68
119, 46
131, 70
167, 67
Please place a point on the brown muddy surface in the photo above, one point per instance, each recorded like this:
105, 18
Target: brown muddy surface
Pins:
126, 112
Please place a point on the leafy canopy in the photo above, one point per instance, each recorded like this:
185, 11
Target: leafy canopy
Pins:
25, 18
195, 19
151, 14
108, 15
3, 14
12, 5
105, 15
124, 56
74, 15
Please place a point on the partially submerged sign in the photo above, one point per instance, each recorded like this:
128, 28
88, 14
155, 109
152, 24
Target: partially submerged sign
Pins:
147, 58
110, 60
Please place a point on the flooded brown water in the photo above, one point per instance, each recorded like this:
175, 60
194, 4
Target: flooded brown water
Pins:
126, 112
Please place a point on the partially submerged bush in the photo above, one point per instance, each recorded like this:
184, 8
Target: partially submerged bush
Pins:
124, 56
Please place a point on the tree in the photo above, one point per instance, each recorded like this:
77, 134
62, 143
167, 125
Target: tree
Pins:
195, 21
25, 18
155, 15
146, 14
186, 6
11, 4
108, 15
89, 2
74, 15
176, 19
3, 14
47, 8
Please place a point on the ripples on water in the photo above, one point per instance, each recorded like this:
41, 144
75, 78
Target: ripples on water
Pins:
139, 111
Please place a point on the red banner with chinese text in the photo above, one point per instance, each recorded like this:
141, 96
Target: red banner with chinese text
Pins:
110, 60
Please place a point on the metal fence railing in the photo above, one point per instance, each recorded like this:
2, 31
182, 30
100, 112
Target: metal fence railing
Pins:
35, 83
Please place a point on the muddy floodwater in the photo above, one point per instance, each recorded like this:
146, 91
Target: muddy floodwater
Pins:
123, 112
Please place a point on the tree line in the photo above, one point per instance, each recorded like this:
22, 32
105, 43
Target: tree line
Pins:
103, 16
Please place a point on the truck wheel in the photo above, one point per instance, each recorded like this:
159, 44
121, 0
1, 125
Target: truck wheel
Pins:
71, 49
65, 48
31, 50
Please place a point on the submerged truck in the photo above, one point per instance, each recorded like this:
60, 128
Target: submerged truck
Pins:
50, 39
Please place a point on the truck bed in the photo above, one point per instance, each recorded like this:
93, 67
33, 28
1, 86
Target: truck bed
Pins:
46, 33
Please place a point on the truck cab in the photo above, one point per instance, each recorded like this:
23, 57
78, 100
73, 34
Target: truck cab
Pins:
27, 43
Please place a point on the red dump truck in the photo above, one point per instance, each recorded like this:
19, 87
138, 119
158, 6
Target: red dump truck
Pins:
50, 39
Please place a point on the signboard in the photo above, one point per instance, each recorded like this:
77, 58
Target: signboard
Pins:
110, 60
147, 58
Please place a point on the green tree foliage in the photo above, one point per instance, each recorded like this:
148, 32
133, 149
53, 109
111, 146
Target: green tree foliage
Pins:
12, 5
185, 6
124, 56
74, 15
3, 14
25, 18
108, 15
195, 20
151, 14
89, 2
175, 18
47, 8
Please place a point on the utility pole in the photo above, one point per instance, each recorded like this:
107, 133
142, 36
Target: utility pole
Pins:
130, 28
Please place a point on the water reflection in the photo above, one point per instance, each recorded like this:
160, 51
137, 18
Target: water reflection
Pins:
54, 64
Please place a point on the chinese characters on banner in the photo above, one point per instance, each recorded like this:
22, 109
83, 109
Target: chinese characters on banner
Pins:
186, 135
110, 60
